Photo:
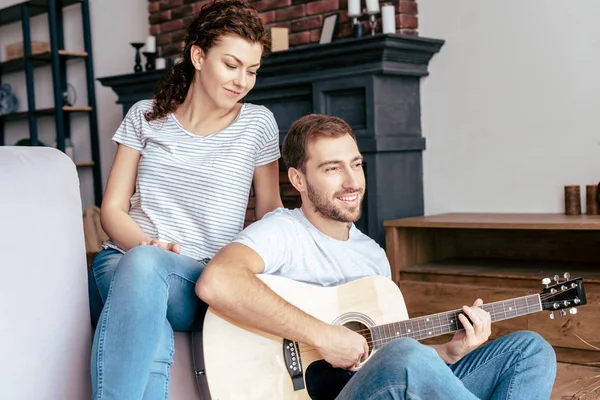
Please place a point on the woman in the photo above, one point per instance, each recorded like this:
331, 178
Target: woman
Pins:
179, 183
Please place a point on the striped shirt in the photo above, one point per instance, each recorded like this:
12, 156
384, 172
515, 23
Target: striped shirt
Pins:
190, 189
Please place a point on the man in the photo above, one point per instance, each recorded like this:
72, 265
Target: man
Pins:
318, 243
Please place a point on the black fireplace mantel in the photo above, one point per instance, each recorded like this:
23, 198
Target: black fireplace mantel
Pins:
372, 82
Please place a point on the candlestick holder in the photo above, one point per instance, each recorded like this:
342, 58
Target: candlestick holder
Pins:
357, 27
138, 58
372, 20
150, 60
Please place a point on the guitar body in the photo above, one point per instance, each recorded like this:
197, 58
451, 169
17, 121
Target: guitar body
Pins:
244, 363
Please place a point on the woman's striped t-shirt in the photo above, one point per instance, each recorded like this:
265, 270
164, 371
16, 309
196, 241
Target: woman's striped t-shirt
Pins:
191, 189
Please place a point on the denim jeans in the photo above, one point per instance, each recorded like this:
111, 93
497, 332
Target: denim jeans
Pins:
518, 366
144, 295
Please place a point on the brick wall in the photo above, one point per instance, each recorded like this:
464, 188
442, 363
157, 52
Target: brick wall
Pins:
168, 19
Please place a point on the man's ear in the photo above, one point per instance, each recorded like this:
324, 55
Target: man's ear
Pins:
297, 180
197, 56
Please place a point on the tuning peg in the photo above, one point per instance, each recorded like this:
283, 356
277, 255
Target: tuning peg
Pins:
546, 281
573, 310
556, 278
563, 313
567, 276
551, 314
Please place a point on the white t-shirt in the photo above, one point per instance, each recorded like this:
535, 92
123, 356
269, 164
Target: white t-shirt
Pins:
292, 247
191, 189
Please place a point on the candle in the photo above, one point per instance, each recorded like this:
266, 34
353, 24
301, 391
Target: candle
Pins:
161, 63
388, 18
372, 6
354, 8
572, 200
151, 44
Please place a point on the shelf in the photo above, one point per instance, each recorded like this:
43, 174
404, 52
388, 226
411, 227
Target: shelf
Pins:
13, 13
76, 109
457, 269
42, 113
501, 221
39, 60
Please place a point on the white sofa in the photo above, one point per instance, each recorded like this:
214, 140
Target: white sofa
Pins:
45, 330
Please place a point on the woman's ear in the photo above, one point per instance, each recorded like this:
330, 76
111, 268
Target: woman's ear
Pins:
197, 56
297, 180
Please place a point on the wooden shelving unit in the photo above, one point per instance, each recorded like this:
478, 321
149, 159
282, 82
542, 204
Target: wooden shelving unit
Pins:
57, 60
444, 261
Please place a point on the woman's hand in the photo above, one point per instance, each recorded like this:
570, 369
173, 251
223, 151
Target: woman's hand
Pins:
174, 247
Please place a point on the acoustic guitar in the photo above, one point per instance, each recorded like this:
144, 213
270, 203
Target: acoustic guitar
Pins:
241, 362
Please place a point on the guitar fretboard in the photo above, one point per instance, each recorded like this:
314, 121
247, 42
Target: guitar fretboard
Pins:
447, 322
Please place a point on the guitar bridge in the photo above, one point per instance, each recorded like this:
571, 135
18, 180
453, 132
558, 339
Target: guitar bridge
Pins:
293, 363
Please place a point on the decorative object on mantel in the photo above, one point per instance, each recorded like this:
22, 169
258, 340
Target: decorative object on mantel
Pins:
572, 200
280, 38
591, 204
160, 63
150, 60
329, 29
354, 12
138, 58
150, 44
388, 18
8, 101
372, 11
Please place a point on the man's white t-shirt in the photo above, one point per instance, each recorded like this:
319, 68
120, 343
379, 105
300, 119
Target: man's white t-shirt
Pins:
292, 247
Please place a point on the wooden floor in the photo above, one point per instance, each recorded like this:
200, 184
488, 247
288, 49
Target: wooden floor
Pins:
576, 382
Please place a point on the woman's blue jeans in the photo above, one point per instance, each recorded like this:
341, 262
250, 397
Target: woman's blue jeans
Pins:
143, 296
518, 366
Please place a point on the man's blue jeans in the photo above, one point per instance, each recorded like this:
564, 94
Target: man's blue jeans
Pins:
144, 295
518, 366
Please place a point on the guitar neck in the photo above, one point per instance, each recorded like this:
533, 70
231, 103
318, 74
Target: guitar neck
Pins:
447, 322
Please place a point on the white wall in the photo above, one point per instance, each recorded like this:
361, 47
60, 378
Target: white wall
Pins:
114, 25
511, 108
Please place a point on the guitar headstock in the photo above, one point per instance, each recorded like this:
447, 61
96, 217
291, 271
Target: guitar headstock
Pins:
566, 294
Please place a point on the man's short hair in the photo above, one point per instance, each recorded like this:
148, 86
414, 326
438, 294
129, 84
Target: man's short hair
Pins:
307, 128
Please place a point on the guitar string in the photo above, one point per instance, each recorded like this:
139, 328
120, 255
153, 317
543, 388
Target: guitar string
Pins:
420, 331
494, 313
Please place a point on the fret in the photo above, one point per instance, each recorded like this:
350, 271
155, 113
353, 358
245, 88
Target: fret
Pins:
444, 321
440, 325
533, 303
410, 328
416, 328
397, 330
422, 328
429, 327
504, 310
404, 329
387, 332
376, 336
449, 317
521, 306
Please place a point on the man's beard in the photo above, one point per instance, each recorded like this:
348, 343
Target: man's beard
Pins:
328, 208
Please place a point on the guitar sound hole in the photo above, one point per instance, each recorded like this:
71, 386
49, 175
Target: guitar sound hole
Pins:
363, 330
